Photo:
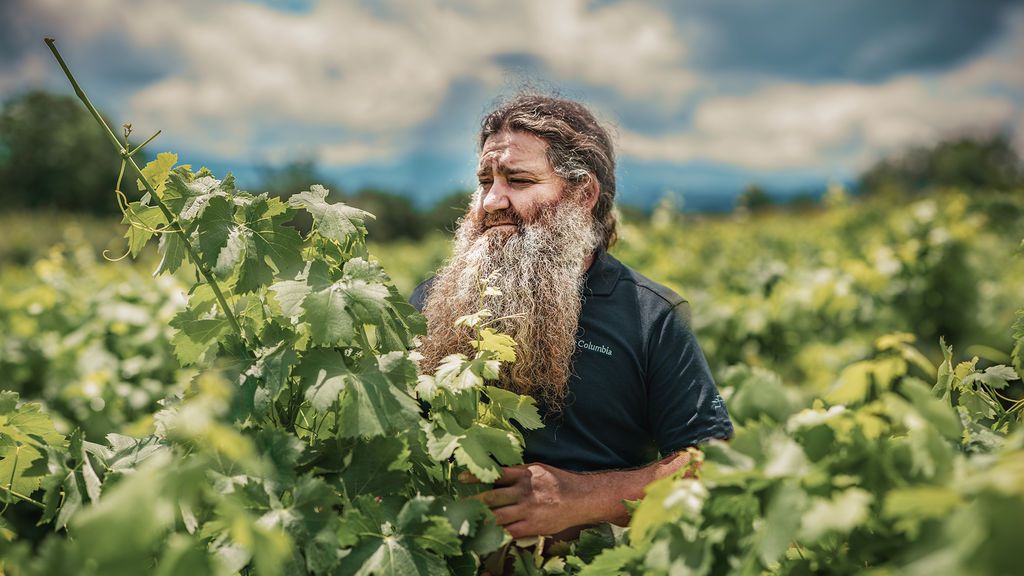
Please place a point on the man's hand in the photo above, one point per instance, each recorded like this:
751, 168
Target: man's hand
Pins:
535, 499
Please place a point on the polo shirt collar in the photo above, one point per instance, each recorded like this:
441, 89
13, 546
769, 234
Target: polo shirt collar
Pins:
602, 274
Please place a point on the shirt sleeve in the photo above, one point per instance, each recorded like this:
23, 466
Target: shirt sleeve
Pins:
419, 294
684, 406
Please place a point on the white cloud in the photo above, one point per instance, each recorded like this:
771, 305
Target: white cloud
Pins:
369, 76
847, 125
797, 126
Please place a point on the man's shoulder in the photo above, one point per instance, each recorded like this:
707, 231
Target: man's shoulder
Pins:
419, 294
649, 292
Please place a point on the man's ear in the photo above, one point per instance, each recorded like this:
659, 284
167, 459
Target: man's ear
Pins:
591, 191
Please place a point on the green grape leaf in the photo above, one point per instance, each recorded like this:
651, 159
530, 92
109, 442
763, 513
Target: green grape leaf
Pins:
336, 221
125, 452
156, 172
386, 542
845, 511
90, 479
142, 221
439, 537
853, 384
456, 374
72, 502
329, 322
25, 435
196, 334
324, 374
270, 247
371, 406
995, 377
481, 448
757, 393
273, 366
475, 524
668, 500
19, 470
201, 191
502, 346
509, 406
215, 227
312, 509
367, 301
117, 529
172, 251
614, 562
289, 295
282, 450
379, 465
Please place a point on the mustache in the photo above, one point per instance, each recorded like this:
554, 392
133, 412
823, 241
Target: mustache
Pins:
503, 216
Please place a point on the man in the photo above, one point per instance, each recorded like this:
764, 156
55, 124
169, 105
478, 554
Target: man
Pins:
607, 353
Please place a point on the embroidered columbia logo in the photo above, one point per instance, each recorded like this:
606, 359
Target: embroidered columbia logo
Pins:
594, 347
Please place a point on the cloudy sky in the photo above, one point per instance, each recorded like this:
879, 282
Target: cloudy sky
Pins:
704, 96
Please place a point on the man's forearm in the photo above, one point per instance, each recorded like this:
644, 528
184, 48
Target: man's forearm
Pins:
600, 494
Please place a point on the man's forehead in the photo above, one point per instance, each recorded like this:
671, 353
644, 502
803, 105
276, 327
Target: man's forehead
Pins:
514, 151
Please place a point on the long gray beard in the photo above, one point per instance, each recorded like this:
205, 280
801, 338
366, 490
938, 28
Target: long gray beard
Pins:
540, 275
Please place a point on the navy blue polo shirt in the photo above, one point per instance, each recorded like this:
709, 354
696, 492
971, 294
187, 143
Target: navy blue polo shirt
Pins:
640, 383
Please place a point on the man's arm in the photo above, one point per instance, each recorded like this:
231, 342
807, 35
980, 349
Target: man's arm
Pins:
538, 499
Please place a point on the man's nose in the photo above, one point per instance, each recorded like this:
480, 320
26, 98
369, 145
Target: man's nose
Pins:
496, 197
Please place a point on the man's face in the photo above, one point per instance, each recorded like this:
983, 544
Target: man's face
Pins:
516, 181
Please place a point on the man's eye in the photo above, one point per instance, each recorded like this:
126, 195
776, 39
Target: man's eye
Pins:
520, 181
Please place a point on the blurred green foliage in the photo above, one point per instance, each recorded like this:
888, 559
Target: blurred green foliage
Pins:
90, 338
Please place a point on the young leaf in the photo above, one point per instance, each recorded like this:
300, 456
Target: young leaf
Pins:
157, 170
141, 221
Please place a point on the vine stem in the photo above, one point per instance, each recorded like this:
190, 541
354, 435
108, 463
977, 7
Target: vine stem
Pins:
127, 156
24, 498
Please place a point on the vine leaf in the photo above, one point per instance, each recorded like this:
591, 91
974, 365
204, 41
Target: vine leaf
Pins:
198, 333
337, 221
325, 375
156, 172
25, 433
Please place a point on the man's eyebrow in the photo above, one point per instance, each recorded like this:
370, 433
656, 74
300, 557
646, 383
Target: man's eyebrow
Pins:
505, 169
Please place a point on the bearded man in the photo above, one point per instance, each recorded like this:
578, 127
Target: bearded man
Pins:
607, 353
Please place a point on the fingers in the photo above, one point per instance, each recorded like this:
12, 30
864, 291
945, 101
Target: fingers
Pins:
512, 474
509, 514
499, 497
509, 475
520, 530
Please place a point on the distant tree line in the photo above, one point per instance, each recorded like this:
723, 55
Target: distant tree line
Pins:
972, 163
53, 156
981, 164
